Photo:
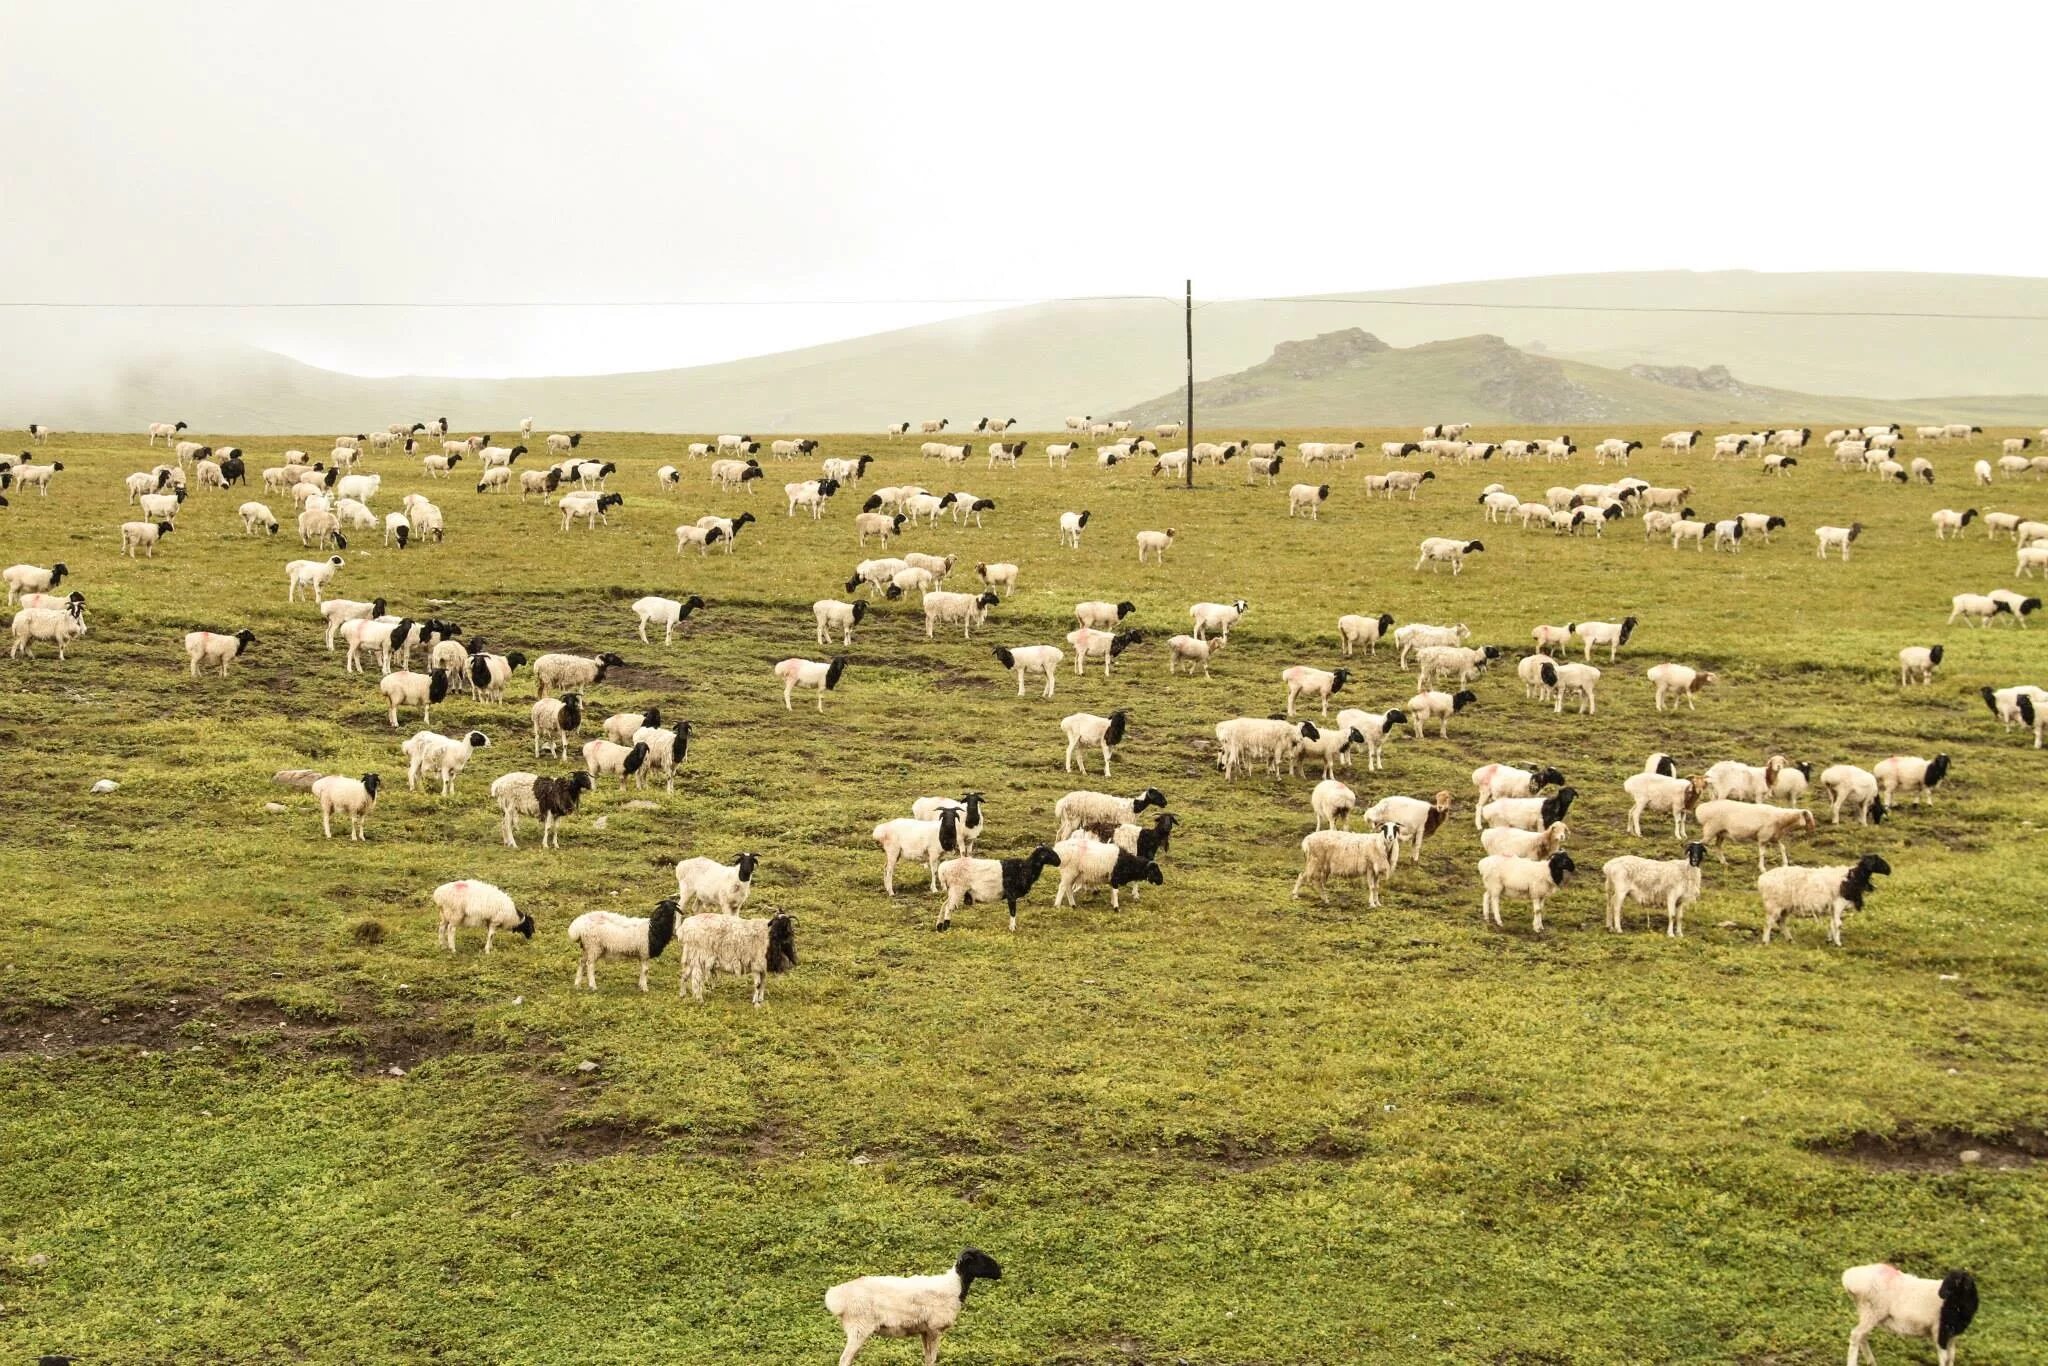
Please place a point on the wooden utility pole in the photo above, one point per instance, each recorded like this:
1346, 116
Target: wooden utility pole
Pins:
1189, 311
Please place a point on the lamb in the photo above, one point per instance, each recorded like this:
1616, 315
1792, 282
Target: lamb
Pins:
1982, 470
1538, 844
1070, 528
1439, 707
821, 675
714, 942
1536, 880
1447, 549
969, 609
1528, 813
604, 759
1662, 793
1911, 1307
309, 574
1087, 863
547, 799
565, 673
1354, 631
1722, 820
2024, 705
59, 626
1332, 802
445, 756
1830, 891
1307, 500
1839, 538
1154, 543
1077, 809
1216, 618
1918, 662
666, 750
1026, 659
405, 688
1674, 681
554, 719
1314, 684
910, 1306
472, 903
351, 797
666, 613
1674, 883
833, 615
1085, 730
910, 579
207, 648
144, 536
1411, 818
920, 841
968, 880
1905, 773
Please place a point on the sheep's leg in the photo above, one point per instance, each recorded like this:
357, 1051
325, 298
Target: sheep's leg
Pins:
490, 931
856, 1338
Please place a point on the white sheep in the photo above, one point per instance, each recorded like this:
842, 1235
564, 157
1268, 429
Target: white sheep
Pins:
1244, 738
714, 942
209, 648
1830, 892
1348, 854
1354, 630
1332, 802
470, 904
442, 755
407, 688
1311, 684
57, 625
143, 536
1084, 730
607, 934
1909, 774
1089, 644
1536, 844
1665, 794
1838, 538
667, 613
1722, 820
312, 575
1581, 679
1306, 500
1418, 635
1671, 883
909, 1306
1071, 524
1028, 659
1216, 618
1078, 809
1447, 549
1911, 1307
1439, 707
1673, 681
968, 609
817, 674
354, 798
1532, 879
920, 841
1191, 651
1918, 662
1412, 818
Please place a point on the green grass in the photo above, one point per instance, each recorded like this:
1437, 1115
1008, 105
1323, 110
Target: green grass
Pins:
1223, 1125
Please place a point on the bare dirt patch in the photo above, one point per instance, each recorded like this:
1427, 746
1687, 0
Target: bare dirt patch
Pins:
1916, 1149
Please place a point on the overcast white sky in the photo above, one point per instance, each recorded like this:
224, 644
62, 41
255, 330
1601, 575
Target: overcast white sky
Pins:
459, 152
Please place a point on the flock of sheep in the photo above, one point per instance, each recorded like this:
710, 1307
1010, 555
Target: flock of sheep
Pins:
1102, 841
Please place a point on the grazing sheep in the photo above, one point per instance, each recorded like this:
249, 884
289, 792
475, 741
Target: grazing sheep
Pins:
1674, 681
1441, 549
666, 613
1216, 618
58, 625
1412, 818
405, 688
1078, 809
489, 673
354, 798
1071, 524
1533, 879
1354, 631
878, 524
1348, 854
1612, 634
1830, 892
734, 474
1722, 820
1663, 794
820, 675
969, 609
1839, 538
547, 799
309, 574
1087, 863
442, 755
1456, 662
1910, 1306
714, 942
554, 720
1918, 662
1672, 883
566, 673
1274, 739
470, 904
1439, 707
1313, 684
1332, 802
206, 648
1085, 730
604, 759
1905, 773
1108, 645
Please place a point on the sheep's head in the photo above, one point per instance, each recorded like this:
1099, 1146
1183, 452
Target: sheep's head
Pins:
744, 865
1561, 867
1151, 796
525, 926
781, 942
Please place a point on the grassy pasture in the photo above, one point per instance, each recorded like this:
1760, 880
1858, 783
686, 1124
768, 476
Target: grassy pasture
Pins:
1222, 1126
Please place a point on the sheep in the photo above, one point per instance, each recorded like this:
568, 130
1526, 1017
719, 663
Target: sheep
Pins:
1083, 729
666, 749
167, 430
1457, 662
1574, 678
1026, 659
339, 611
1314, 684
37, 476
143, 536
361, 487
404, 687
489, 673
968, 880
591, 507
1306, 500
1910, 1306
820, 675
2006, 522
715, 941
1439, 707
1332, 746
554, 719
967, 812
938, 566
547, 799
161, 507
833, 615
876, 574
1982, 471
1409, 480
309, 574
1412, 818
74, 603
1533, 812
2018, 606
1438, 550
666, 613
1070, 528
879, 524
1216, 618
1354, 631
1761, 524
1274, 739
1538, 673
564, 673
809, 494
1686, 529
1418, 635
443, 755
354, 798
1077, 809
969, 609
1674, 681
2024, 705
1839, 538
1905, 773
606, 934
1332, 802
1721, 820
1975, 608
1492, 781
604, 759
472, 903
204, 648
1948, 522
1662, 793
919, 841
1536, 844
58, 625
1535, 879
1086, 863
909, 1306
1831, 891
1918, 662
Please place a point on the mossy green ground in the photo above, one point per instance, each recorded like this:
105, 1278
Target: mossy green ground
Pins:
1223, 1125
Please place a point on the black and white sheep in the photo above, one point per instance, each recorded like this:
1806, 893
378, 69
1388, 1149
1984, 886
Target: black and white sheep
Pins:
1905, 773
967, 881
725, 886
1673, 884
548, 800
1535, 880
817, 674
920, 841
554, 720
472, 904
1354, 631
1029, 659
408, 688
1087, 863
910, 1306
712, 942
444, 756
607, 934
560, 673
209, 648
1829, 893
1911, 1307
354, 798
1077, 809
1084, 730
667, 613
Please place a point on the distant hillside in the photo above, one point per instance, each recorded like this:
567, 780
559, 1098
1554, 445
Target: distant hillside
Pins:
1041, 363
1353, 379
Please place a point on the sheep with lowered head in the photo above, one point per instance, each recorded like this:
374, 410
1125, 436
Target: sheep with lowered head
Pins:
712, 942
470, 903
